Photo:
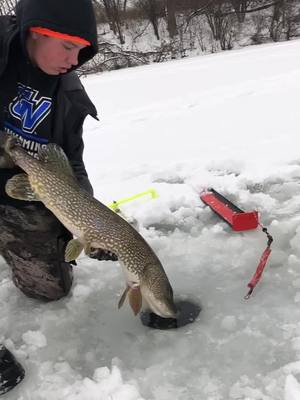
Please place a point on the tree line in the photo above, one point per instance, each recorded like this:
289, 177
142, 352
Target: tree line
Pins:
181, 26
284, 14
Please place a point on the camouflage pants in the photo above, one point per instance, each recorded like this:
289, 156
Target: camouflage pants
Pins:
32, 242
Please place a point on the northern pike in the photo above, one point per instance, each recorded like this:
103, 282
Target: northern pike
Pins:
51, 180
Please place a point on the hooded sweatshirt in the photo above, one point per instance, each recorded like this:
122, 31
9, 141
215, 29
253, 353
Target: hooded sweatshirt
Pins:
29, 96
72, 17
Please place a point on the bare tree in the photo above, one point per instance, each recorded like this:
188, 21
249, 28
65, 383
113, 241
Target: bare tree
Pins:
171, 18
277, 20
220, 23
292, 18
284, 19
228, 8
152, 9
113, 10
240, 8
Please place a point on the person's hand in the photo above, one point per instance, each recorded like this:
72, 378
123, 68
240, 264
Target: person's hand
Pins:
5, 160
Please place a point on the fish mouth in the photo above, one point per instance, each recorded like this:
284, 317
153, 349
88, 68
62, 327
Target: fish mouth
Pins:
164, 308
163, 311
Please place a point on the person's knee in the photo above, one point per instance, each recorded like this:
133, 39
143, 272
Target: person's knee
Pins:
53, 296
62, 288
46, 284
45, 293
37, 261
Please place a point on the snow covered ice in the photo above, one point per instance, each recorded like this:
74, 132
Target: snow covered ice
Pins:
228, 121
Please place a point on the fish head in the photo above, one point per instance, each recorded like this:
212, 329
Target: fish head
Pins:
157, 293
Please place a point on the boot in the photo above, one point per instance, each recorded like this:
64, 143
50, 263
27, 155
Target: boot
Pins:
11, 372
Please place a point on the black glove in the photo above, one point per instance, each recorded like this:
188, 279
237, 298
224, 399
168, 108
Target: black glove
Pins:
103, 255
11, 372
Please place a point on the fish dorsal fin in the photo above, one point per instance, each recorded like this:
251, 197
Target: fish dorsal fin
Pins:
54, 156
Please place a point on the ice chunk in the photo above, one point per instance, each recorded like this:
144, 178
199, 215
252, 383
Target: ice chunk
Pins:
35, 338
292, 388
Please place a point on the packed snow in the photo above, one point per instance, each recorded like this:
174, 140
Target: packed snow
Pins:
228, 121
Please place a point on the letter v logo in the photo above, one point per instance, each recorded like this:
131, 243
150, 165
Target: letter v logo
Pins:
30, 109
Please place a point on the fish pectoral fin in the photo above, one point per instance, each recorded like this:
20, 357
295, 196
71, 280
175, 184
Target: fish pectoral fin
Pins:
18, 187
123, 297
73, 250
135, 299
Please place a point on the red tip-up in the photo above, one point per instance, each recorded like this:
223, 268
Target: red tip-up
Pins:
238, 219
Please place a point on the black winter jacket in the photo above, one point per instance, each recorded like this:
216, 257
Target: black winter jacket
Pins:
71, 107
